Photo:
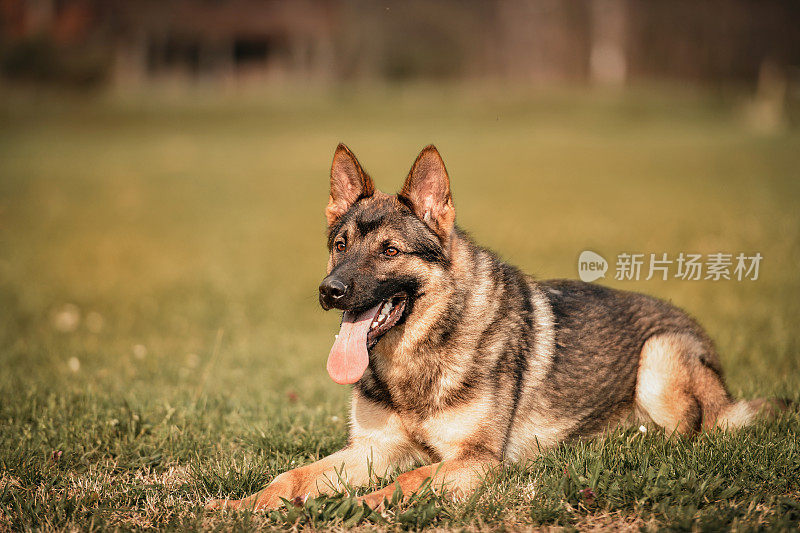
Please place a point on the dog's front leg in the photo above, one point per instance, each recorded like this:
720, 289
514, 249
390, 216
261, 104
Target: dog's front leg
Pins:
378, 443
352, 465
458, 477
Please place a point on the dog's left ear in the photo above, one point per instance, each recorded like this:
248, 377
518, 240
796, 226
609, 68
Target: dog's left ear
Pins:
427, 192
349, 184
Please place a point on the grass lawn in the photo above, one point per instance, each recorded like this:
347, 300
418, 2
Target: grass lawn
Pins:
161, 341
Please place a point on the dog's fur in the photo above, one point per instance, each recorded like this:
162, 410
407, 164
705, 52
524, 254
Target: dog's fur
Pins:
487, 364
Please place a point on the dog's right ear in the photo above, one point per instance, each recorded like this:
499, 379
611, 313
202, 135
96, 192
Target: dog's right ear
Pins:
349, 184
427, 192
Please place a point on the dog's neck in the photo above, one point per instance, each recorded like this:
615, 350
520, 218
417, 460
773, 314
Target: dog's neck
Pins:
424, 363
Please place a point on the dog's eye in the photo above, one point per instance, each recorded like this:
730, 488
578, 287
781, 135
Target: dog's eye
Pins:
391, 251
341, 246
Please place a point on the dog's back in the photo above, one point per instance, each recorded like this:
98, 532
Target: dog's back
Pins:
594, 367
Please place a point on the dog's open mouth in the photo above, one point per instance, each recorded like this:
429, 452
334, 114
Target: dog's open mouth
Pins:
359, 332
386, 318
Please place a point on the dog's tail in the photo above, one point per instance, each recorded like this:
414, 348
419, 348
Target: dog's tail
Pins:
744, 412
720, 409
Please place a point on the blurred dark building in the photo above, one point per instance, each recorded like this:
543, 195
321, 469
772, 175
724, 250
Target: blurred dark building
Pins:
606, 42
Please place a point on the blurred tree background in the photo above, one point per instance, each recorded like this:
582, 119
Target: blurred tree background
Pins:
608, 42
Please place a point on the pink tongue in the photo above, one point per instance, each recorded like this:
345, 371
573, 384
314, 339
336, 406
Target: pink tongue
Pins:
349, 359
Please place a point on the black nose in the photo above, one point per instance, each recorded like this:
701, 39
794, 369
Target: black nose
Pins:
331, 291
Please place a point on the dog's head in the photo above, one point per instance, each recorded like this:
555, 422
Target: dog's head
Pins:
386, 251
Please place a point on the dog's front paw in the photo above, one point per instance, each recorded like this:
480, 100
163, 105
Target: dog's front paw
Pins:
221, 505
375, 499
266, 500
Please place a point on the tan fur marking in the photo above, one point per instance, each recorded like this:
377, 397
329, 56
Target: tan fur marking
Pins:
450, 431
664, 387
455, 478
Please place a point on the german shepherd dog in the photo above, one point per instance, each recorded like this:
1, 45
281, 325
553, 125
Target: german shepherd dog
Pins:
461, 361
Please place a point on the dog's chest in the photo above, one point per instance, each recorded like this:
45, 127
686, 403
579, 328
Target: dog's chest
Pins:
453, 432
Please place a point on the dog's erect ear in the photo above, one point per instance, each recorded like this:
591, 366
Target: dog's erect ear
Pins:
427, 192
349, 183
